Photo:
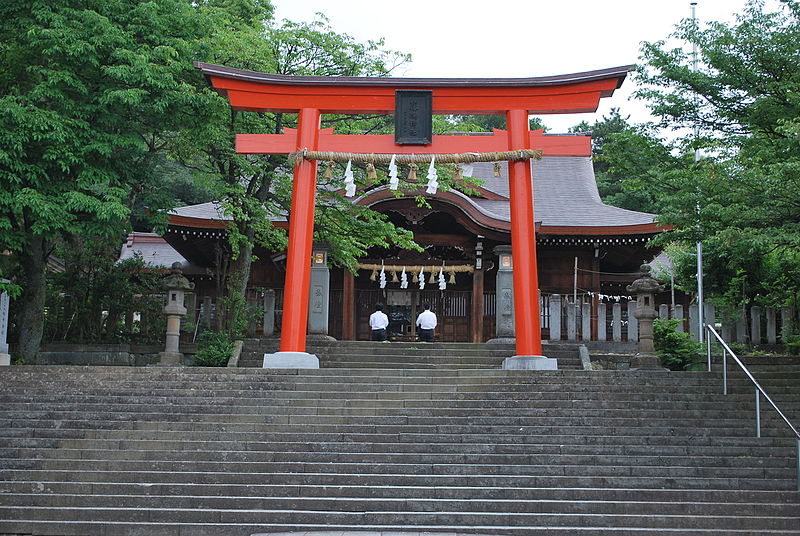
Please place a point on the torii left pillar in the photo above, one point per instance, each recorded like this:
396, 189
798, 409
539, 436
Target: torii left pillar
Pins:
292, 352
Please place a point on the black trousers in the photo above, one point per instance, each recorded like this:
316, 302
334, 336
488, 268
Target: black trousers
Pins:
379, 334
425, 335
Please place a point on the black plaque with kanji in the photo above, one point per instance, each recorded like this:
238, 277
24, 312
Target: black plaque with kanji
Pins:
413, 110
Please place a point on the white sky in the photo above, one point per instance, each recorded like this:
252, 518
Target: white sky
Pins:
514, 38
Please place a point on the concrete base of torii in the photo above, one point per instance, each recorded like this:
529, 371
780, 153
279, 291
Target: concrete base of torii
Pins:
530, 362
291, 360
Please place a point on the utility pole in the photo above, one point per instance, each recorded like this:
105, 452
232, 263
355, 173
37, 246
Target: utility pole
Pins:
700, 308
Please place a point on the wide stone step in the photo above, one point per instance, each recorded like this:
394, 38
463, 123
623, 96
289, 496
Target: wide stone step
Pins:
407, 480
77, 528
481, 492
670, 468
402, 505
409, 518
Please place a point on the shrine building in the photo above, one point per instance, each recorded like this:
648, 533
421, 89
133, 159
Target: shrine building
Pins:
577, 235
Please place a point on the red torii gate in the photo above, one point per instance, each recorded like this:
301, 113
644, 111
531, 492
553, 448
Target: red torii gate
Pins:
310, 96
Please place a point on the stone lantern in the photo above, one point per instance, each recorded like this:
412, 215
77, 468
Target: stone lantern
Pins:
645, 288
176, 285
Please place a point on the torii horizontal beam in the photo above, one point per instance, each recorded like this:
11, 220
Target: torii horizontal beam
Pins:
571, 93
442, 144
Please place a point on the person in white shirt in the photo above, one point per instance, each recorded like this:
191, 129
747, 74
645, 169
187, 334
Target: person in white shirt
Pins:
426, 322
378, 322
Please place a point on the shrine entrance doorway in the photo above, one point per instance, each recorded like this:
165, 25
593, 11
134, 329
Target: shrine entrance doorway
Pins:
452, 308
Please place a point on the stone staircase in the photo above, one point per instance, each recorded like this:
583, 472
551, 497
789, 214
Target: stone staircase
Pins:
364, 354
163, 451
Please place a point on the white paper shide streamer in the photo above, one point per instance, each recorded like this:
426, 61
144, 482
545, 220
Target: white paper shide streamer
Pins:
442, 281
421, 278
403, 279
349, 181
393, 181
382, 278
433, 177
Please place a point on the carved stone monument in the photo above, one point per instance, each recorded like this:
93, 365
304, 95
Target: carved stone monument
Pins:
176, 285
504, 321
319, 294
645, 289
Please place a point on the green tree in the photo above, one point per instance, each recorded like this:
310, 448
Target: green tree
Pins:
91, 92
742, 95
256, 189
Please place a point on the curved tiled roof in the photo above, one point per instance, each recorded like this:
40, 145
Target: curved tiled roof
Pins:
566, 201
564, 194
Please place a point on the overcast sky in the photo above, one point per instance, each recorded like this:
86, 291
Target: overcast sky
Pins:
514, 38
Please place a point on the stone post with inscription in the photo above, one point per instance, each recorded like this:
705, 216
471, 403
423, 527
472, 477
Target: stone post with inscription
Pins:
645, 288
5, 357
504, 321
176, 285
319, 293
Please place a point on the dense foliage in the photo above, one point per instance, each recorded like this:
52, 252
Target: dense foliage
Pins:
741, 197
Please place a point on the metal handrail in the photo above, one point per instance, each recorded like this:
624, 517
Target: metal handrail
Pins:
759, 390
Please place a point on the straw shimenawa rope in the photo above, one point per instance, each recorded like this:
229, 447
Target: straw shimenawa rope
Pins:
463, 158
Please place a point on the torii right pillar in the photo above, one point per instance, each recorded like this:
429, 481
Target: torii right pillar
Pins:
523, 251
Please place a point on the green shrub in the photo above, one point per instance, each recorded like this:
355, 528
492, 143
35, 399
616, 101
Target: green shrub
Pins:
213, 349
793, 345
677, 350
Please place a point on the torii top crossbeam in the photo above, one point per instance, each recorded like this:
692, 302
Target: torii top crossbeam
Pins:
311, 96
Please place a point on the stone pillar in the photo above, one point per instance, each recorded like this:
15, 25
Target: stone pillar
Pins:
710, 316
693, 322
741, 326
633, 321
319, 295
176, 285
586, 322
663, 311
268, 321
504, 323
602, 324
5, 357
555, 317
772, 332
572, 322
755, 324
616, 321
645, 289
786, 324
678, 315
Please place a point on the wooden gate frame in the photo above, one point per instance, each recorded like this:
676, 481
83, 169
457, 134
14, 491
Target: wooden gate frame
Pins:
311, 96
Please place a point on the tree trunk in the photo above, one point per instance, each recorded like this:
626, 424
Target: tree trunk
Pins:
236, 290
31, 312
